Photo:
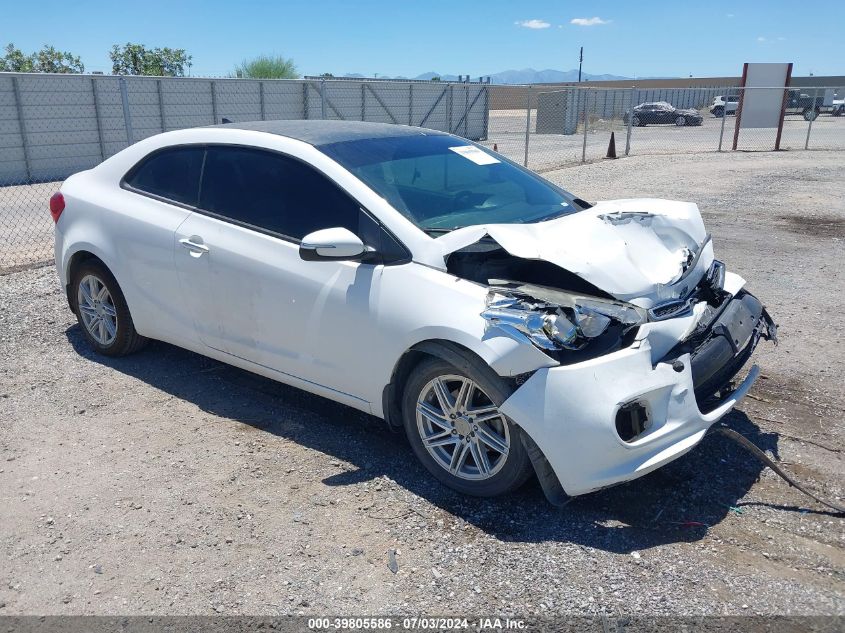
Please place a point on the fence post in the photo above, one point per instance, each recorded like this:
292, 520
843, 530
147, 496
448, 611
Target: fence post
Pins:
812, 117
214, 102
410, 104
724, 116
97, 118
261, 100
451, 105
527, 124
466, 107
127, 116
323, 99
161, 106
584, 118
363, 102
630, 120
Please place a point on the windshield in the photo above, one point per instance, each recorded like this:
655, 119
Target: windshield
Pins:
441, 183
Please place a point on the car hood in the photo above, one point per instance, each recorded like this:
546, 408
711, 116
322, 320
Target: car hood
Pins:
645, 251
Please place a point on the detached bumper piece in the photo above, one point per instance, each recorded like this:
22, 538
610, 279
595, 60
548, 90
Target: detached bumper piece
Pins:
721, 346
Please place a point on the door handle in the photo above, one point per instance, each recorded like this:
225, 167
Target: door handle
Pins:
195, 248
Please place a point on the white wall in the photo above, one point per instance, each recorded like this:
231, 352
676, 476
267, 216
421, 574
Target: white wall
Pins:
54, 125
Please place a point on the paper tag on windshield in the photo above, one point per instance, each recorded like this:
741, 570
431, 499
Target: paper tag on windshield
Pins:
471, 152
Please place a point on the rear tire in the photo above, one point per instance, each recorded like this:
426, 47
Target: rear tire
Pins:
810, 114
102, 312
468, 445
719, 113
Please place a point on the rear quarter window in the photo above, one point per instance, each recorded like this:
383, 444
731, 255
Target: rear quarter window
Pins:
173, 174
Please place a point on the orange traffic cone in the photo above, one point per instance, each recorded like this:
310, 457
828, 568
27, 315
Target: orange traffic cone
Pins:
611, 147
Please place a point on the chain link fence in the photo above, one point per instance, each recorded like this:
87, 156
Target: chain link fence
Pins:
54, 125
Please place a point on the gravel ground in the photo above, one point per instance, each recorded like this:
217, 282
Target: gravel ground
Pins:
167, 483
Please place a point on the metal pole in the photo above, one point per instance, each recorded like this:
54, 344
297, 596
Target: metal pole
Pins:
812, 117
160, 105
97, 118
261, 100
584, 117
410, 104
466, 108
24, 142
323, 99
724, 116
127, 117
580, 62
451, 105
527, 124
214, 102
363, 102
630, 120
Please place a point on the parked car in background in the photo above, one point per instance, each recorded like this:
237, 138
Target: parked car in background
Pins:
807, 105
723, 105
507, 325
662, 112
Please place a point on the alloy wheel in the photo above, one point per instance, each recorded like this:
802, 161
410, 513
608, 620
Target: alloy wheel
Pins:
97, 310
461, 428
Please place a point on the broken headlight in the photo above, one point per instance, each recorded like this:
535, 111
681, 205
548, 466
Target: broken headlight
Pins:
553, 319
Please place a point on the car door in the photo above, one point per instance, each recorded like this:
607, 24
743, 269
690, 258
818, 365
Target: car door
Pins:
252, 295
662, 114
649, 115
156, 196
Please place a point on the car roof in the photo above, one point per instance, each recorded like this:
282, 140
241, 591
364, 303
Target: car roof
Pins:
320, 132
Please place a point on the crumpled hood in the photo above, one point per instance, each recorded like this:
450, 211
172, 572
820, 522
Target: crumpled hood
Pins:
639, 250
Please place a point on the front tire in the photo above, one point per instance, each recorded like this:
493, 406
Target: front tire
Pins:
452, 420
102, 312
680, 121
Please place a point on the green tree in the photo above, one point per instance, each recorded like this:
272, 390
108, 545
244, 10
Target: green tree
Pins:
136, 59
47, 60
267, 67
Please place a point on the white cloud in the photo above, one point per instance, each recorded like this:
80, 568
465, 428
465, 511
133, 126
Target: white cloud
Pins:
588, 21
761, 39
533, 24
730, 15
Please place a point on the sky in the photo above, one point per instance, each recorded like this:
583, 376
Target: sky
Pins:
479, 37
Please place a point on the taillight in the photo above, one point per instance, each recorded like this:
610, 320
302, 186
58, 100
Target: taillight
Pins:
57, 205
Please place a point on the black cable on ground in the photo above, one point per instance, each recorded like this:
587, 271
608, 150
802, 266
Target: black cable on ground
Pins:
765, 459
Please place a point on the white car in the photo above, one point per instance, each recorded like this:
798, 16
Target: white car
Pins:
506, 324
722, 106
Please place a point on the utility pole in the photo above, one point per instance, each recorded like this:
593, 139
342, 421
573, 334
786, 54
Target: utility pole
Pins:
580, 62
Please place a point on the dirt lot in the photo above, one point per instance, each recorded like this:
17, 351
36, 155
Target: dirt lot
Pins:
168, 483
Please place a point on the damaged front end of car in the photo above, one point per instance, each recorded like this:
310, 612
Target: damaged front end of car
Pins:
646, 354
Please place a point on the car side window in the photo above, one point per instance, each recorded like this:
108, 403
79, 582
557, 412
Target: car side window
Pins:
273, 192
172, 173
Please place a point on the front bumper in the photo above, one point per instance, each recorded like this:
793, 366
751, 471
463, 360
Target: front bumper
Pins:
572, 411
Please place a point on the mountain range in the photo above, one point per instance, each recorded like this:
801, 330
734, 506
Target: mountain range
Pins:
524, 76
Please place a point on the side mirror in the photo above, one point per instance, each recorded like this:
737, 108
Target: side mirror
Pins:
331, 244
